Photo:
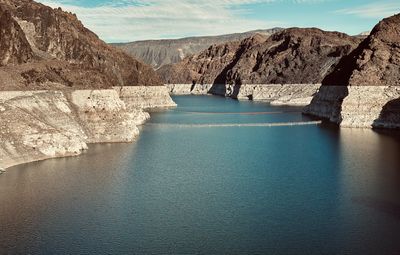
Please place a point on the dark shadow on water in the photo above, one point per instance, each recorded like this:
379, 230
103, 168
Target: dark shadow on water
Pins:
387, 207
390, 114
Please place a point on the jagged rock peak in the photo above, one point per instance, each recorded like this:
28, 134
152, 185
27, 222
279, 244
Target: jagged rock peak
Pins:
376, 61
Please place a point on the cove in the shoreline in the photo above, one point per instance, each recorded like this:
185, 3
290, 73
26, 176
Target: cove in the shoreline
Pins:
236, 190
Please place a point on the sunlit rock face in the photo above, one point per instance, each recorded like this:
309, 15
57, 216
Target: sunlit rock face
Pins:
292, 56
50, 48
158, 53
38, 125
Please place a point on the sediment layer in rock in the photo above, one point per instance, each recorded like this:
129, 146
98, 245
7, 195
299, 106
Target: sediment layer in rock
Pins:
277, 94
363, 90
145, 96
38, 125
358, 106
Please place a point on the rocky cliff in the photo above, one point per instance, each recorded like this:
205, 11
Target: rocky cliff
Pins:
57, 86
293, 56
363, 90
158, 53
45, 124
50, 48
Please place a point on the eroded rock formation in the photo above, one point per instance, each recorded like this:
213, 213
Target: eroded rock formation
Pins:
293, 56
363, 90
44, 124
57, 82
158, 53
60, 52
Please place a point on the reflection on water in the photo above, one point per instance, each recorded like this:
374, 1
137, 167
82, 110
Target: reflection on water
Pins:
233, 190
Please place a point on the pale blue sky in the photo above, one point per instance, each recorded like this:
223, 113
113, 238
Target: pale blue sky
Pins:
130, 20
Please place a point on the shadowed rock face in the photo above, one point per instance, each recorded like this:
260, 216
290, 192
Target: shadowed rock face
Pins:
14, 48
60, 50
293, 56
375, 62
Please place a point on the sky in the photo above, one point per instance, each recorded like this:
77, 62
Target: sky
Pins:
132, 20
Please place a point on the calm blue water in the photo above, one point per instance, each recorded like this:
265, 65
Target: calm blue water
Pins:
231, 190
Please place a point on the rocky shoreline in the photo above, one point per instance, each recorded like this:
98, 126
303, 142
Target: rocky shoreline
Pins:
358, 106
50, 124
276, 94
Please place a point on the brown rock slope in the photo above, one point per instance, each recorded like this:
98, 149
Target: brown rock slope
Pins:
45, 48
292, 56
364, 88
158, 53
376, 61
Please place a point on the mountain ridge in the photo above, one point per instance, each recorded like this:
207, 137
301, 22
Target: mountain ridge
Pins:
166, 51
51, 48
294, 55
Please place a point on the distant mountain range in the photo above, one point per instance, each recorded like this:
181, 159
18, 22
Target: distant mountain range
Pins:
158, 53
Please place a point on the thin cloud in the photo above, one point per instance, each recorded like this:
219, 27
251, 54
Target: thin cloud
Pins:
375, 10
154, 19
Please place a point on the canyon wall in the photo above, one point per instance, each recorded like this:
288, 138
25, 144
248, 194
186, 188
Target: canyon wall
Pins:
158, 53
369, 82
38, 125
145, 96
358, 106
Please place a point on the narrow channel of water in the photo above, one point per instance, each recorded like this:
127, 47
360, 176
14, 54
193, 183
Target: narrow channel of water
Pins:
311, 189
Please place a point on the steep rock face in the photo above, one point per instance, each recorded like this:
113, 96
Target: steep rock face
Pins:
376, 61
14, 48
358, 106
54, 35
363, 90
104, 117
293, 56
38, 125
202, 68
276, 94
145, 97
158, 53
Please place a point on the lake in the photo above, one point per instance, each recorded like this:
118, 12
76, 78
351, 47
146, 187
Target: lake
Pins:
187, 188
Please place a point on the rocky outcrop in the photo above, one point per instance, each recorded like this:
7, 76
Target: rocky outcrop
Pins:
293, 56
61, 52
375, 62
104, 117
358, 106
158, 53
192, 89
14, 47
279, 94
145, 97
38, 125
363, 90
